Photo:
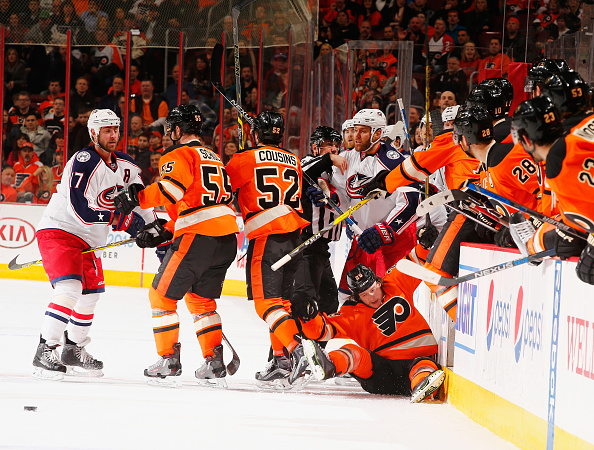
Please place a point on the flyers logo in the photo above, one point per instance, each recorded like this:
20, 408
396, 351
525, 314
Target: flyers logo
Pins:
387, 317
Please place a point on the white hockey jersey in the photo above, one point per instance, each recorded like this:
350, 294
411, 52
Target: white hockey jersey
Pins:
83, 204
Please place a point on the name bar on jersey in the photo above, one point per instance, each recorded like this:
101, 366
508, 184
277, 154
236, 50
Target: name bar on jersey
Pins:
267, 155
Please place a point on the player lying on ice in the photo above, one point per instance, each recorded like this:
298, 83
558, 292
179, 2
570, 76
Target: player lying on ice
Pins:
394, 350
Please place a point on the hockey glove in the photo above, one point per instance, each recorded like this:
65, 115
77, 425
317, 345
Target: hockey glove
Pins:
126, 201
131, 223
585, 265
316, 196
374, 237
349, 231
427, 235
485, 234
503, 238
377, 185
154, 234
304, 309
567, 246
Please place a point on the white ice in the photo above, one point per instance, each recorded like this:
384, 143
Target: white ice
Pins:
120, 411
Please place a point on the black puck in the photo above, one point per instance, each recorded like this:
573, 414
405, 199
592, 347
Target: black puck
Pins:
30, 408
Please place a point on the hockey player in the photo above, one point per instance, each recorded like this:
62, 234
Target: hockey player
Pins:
388, 224
492, 98
78, 217
195, 190
393, 345
536, 125
315, 286
542, 70
348, 135
269, 182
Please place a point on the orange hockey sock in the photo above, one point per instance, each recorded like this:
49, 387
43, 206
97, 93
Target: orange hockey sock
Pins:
351, 358
420, 370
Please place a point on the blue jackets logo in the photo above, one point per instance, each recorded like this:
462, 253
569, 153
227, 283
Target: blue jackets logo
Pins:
498, 318
465, 311
528, 329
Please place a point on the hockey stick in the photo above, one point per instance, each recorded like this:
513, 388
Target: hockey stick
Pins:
234, 364
333, 205
13, 265
405, 122
216, 61
562, 226
235, 13
412, 269
285, 259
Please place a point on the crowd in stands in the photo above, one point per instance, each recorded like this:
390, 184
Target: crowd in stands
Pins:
463, 37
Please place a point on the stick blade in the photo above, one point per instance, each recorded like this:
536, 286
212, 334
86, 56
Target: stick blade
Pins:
233, 365
412, 269
13, 265
216, 63
433, 202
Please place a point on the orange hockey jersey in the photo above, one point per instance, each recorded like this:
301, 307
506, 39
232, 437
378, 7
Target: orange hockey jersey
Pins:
458, 166
396, 330
269, 183
195, 191
570, 173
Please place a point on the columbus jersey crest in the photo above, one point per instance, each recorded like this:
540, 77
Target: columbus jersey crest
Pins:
105, 198
83, 156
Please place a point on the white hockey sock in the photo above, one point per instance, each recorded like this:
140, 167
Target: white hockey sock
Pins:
58, 312
82, 318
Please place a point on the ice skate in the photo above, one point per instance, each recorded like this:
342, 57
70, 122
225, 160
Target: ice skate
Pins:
167, 370
428, 386
521, 230
276, 374
346, 379
78, 361
213, 372
299, 364
46, 362
320, 364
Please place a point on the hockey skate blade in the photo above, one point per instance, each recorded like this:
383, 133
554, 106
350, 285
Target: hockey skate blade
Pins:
217, 383
317, 372
431, 385
48, 375
75, 371
168, 382
346, 380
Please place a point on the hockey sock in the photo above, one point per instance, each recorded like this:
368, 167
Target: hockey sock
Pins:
209, 331
58, 312
422, 368
82, 317
277, 346
351, 358
165, 322
279, 321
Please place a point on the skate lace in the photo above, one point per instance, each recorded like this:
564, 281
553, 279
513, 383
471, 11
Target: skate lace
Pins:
84, 356
52, 354
160, 363
524, 229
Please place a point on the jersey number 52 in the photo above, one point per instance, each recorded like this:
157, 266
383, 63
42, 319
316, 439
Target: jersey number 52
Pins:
278, 188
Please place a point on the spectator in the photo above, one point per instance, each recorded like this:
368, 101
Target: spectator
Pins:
259, 25
41, 32
139, 39
30, 16
446, 99
7, 191
414, 118
515, 41
81, 97
280, 26
149, 174
54, 91
388, 62
416, 7
171, 93
209, 117
573, 7
248, 81
229, 150
370, 14
26, 167
5, 11
453, 26
21, 109
143, 152
374, 68
155, 143
175, 13
9, 131
135, 130
90, 17
275, 82
365, 31
251, 102
470, 60
15, 31
463, 38
414, 32
107, 61
343, 30
54, 119
134, 81
200, 75
495, 59
152, 108
548, 16
450, 5
56, 143
15, 75
331, 16
111, 99
38, 135
68, 19
17, 143
396, 14
149, 25
479, 19
453, 79
440, 45
388, 34
58, 167
78, 137
44, 180
167, 142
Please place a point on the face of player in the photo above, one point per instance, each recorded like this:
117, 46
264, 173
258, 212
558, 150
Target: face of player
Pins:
108, 138
8, 176
349, 137
374, 296
363, 137
327, 146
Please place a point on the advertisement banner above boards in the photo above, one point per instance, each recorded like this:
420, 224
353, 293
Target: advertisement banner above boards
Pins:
526, 335
125, 265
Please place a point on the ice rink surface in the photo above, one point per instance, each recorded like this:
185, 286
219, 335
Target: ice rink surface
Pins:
120, 411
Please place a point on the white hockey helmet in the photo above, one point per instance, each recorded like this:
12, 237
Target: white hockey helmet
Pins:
395, 131
100, 118
373, 118
450, 113
347, 124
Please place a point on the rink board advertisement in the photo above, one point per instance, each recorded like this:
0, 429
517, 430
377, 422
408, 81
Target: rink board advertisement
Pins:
124, 265
526, 335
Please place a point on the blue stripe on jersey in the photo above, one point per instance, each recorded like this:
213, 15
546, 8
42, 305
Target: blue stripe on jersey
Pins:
66, 277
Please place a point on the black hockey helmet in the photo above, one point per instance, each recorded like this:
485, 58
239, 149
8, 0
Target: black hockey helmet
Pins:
187, 117
538, 119
323, 133
360, 278
270, 126
475, 124
568, 91
543, 70
489, 97
506, 87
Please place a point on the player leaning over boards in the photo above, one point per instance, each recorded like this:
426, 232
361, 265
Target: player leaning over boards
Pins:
78, 217
195, 190
269, 182
394, 345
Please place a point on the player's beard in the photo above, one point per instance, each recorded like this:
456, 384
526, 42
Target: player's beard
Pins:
109, 145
